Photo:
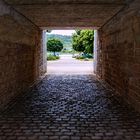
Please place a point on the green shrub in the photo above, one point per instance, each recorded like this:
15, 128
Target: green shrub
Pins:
52, 57
89, 56
80, 57
85, 57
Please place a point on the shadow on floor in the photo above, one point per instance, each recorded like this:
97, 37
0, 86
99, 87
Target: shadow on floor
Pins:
69, 107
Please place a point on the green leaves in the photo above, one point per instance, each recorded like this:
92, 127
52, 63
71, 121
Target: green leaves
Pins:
54, 45
83, 41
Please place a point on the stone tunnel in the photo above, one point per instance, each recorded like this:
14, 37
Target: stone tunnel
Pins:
117, 25
117, 42
22, 58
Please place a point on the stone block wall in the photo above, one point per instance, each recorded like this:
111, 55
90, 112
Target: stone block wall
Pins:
20, 53
119, 53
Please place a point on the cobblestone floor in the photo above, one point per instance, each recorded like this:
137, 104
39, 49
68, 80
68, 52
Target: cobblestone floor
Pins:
69, 108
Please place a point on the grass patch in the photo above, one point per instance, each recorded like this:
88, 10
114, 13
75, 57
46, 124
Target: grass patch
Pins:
80, 57
52, 58
87, 57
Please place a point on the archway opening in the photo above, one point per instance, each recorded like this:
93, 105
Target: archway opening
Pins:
70, 51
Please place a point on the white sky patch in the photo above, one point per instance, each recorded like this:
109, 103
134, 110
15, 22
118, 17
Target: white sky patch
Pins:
63, 32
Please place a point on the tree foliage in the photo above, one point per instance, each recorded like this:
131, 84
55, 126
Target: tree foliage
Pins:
83, 41
65, 39
54, 45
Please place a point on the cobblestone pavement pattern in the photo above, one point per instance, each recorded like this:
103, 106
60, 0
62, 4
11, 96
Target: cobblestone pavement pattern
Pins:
66, 107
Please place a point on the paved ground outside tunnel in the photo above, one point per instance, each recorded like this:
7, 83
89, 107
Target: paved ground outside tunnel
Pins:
69, 107
69, 65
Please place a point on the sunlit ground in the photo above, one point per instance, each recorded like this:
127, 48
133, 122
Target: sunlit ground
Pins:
68, 65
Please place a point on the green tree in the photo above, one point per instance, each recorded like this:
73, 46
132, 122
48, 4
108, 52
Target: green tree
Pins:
78, 32
65, 39
77, 43
54, 45
83, 41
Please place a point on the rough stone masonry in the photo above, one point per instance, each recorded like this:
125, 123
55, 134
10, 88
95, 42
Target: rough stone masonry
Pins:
20, 53
119, 53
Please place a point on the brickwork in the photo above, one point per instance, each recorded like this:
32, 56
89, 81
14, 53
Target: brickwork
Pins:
68, 13
38, 56
20, 53
119, 53
16, 65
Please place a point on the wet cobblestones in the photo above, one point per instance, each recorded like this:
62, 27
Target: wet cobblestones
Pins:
66, 107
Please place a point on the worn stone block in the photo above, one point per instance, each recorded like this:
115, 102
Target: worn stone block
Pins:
119, 56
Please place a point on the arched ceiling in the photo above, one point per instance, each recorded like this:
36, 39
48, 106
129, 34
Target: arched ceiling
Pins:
68, 13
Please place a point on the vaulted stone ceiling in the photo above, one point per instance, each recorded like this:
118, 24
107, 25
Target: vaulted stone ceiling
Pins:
68, 13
